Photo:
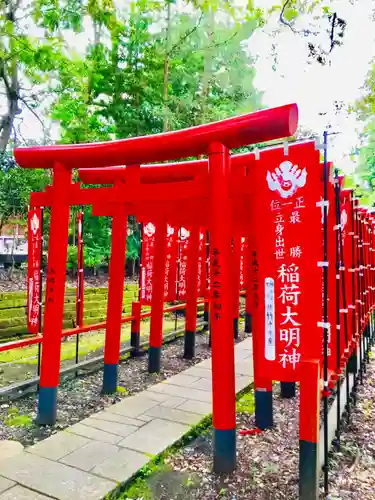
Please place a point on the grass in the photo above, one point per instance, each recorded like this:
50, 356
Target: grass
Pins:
14, 419
246, 404
88, 343
122, 390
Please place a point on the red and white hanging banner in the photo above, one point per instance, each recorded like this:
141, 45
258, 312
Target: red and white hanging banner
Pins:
287, 317
202, 267
147, 261
80, 271
332, 234
372, 261
346, 257
34, 281
170, 275
243, 262
183, 236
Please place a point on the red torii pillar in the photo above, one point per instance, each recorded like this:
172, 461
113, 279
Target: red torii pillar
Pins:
54, 306
116, 283
236, 257
115, 299
191, 293
223, 377
157, 301
248, 300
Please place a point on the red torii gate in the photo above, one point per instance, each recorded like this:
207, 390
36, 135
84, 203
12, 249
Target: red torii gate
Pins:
179, 212
153, 174
214, 140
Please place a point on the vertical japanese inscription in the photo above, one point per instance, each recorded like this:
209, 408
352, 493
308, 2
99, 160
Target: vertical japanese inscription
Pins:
269, 300
288, 250
216, 285
35, 240
148, 251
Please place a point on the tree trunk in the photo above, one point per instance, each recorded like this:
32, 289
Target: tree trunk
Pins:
9, 75
166, 67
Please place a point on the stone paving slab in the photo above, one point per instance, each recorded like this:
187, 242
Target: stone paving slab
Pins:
203, 384
58, 445
90, 455
242, 355
122, 465
133, 406
174, 415
198, 371
199, 407
88, 460
122, 430
243, 381
173, 402
9, 448
205, 364
244, 367
174, 390
155, 436
20, 493
182, 380
5, 484
246, 344
164, 399
92, 433
114, 417
54, 479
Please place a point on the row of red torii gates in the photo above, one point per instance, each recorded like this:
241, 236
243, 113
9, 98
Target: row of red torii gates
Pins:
213, 193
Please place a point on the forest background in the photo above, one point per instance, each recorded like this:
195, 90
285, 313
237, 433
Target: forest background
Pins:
145, 67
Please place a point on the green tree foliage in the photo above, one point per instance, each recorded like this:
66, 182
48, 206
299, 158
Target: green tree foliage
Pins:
146, 71
15, 187
363, 179
118, 89
148, 66
31, 46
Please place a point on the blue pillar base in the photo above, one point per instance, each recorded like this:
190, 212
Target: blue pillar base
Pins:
288, 390
308, 471
353, 363
224, 450
47, 403
263, 409
189, 346
248, 323
154, 357
206, 319
235, 327
134, 342
110, 378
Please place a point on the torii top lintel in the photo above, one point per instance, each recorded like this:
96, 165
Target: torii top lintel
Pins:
157, 172
264, 125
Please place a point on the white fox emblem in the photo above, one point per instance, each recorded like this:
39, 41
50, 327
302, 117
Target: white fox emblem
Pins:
149, 229
34, 224
286, 179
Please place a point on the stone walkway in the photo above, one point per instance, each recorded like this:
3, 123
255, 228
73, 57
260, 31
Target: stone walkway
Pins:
89, 459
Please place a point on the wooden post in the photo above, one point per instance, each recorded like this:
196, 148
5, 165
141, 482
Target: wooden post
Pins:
115, 299
223, 375
54, 307
309, 469
157, 301
135, 335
